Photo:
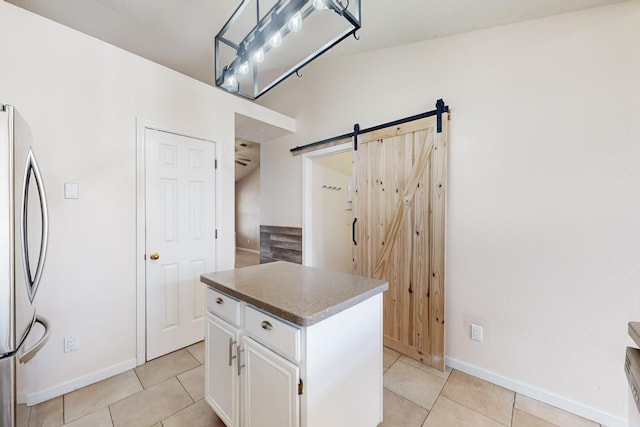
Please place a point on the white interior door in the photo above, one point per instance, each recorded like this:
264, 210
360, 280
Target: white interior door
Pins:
180, 233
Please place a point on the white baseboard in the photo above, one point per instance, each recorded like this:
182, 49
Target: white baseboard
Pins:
253, 251
552, 399
74, 384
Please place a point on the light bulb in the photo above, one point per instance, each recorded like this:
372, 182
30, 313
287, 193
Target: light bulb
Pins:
319, 4
231, 81
276, 40
258, 55
295, 23
243, 69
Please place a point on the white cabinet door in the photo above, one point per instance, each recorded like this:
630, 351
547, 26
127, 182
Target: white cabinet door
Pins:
269, 388
222, 380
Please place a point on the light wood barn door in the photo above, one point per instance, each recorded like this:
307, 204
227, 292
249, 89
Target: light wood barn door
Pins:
399, 207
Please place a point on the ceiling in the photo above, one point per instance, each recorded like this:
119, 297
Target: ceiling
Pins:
250, 133
247, 157
179, 34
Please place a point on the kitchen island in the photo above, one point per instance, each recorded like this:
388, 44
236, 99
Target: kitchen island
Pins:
293, 346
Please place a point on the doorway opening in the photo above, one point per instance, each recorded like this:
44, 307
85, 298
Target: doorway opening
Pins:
328, 215
247, 176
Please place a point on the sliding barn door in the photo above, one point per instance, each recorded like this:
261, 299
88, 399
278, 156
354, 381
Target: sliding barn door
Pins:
399, 207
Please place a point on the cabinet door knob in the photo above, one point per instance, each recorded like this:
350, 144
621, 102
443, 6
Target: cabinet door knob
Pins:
266, 325
219, 300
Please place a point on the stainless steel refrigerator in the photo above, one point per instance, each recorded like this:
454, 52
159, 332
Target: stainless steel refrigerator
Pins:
23, 247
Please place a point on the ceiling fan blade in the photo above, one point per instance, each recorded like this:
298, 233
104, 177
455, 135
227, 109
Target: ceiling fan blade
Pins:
243, 159
240, 163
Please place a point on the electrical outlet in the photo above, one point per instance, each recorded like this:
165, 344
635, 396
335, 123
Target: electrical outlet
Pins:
70, 344
476, 333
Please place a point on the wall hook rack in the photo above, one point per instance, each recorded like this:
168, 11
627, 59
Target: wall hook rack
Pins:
331, 187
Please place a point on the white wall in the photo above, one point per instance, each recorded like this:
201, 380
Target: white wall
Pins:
81, 98
282, 183
543, 216
331, 214
248, 211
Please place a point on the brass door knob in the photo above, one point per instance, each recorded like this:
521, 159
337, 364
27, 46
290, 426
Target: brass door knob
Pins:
154, 256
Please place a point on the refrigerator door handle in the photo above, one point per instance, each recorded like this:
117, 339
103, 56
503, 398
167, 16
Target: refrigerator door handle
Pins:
31, 169
29, 354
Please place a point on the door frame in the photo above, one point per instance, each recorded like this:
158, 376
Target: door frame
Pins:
307, 194
141, 278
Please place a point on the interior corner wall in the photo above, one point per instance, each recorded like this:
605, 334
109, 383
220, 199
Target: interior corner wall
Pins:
81, 98
248, 211
543, 212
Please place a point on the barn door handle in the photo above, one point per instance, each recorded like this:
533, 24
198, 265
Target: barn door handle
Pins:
353, 231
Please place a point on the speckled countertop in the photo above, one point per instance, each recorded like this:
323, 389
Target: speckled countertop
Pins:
634, 331
298, 294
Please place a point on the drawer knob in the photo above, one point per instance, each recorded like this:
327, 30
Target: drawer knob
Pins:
266, 325
219, 300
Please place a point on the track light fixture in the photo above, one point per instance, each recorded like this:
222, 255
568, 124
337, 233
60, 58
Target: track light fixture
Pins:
255, 51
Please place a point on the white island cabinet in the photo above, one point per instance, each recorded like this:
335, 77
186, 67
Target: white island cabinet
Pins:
293, 346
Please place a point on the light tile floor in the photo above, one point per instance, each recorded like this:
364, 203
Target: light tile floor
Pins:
418, 396
169, 392
245, 258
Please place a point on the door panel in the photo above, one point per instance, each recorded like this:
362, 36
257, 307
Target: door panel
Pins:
197, 297
399, 200
270, 388
170, 287
168, 209
180, 229
222, 384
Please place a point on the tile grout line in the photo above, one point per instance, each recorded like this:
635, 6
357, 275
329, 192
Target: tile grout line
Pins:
412, 402
513, 408
185, 390
440, 393
193, 401
138, 377
424, 420
64, 408
474, 410
64, 397
119, 400
179, 410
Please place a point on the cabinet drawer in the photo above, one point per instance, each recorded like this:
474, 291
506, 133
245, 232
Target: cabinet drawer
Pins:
273, 332
224, 306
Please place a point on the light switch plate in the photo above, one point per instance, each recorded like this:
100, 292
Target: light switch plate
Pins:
71, 190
